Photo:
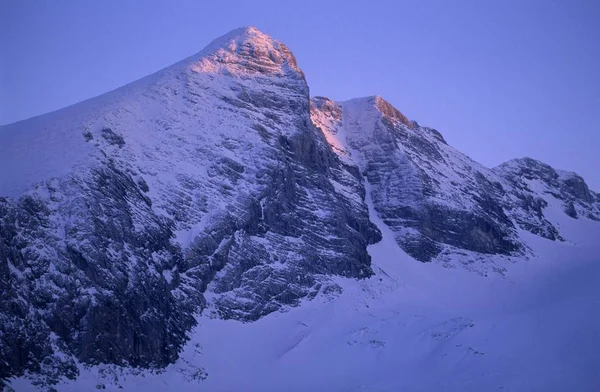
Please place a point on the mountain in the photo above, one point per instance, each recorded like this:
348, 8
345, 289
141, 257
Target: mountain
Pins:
440, 204
218, 189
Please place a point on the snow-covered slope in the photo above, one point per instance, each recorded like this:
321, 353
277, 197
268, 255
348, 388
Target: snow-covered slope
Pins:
147, 227
205, 180
440, 204
412, 326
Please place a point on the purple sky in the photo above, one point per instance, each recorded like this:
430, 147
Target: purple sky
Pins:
499, 79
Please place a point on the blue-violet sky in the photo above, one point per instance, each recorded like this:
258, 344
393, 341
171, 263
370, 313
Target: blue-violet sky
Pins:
499, 79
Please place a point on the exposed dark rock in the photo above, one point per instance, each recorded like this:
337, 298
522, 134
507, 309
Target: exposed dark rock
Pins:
570, 210
104, 296
88, 136
576, 187
569, 188
112, 137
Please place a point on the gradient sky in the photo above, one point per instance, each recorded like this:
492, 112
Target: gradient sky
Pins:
499, 79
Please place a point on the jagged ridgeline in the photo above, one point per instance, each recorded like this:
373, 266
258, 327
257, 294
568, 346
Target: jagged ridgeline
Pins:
218, 185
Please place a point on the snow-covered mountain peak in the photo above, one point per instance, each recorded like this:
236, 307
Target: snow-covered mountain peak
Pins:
245, 67
438, 201
245, 51
217, 186
570, 188
388, 110
379, 106
532, 168
524, 162
202, 185
355, 123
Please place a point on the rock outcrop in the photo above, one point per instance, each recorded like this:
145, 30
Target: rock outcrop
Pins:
441, 204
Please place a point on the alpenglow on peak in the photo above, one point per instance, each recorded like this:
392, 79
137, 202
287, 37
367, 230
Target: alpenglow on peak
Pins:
247, 50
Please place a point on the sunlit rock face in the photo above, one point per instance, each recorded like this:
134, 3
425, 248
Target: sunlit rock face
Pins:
441, 205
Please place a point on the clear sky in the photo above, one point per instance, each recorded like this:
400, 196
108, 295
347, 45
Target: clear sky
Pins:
499, 79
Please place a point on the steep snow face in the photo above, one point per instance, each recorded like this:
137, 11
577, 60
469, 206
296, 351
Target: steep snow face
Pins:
185, 107
203, 185
52, 145
440, 204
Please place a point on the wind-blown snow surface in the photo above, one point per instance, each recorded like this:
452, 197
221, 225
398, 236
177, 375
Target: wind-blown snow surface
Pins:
412, 326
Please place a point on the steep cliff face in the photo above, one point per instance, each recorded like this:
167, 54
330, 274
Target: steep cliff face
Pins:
82, 275
530, 177
205, 179
216, 185
436, 200
440, 204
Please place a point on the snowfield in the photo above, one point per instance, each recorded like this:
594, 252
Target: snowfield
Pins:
412, 326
